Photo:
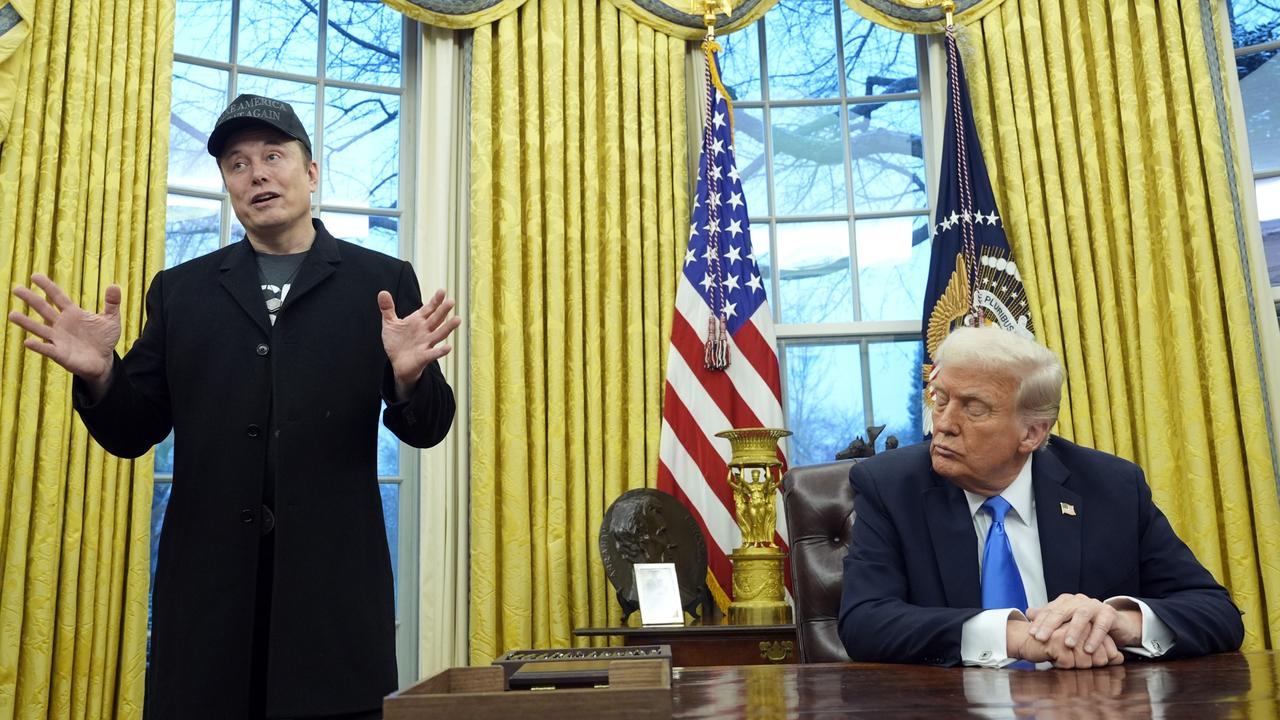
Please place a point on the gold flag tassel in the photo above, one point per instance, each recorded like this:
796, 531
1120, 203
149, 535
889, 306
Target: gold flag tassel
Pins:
716, 351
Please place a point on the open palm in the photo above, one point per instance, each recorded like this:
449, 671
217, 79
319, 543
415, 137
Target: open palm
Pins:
79, 341
414, 341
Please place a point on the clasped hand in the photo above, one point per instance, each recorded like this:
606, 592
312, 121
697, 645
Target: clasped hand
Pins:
1075, 631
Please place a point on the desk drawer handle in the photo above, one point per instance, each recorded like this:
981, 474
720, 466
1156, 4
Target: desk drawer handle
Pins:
776, 650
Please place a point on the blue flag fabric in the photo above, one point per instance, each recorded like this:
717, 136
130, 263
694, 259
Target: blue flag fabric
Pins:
972, 277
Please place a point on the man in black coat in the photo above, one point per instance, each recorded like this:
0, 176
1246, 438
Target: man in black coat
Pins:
270, 360
1097, 571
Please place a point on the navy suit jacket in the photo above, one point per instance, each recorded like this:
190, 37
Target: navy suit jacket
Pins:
911, 577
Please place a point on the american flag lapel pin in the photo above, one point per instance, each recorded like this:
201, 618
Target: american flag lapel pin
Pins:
1067, 509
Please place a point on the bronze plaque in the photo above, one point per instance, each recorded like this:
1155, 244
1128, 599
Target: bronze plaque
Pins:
650, 526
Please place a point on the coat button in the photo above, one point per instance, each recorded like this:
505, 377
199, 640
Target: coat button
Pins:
246, 515
253, 431
263, 349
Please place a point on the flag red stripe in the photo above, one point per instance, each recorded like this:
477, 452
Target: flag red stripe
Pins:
698, 446
717, 560
756, 350
717, 385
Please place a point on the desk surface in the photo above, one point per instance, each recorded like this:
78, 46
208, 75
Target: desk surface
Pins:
1225, 685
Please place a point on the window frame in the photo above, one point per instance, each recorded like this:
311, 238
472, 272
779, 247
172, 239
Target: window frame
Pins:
862, 333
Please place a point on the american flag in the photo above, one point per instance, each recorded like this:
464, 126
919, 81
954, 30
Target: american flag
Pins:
721, 283
972, 276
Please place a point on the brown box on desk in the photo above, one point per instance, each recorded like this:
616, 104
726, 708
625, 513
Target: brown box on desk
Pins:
638, 690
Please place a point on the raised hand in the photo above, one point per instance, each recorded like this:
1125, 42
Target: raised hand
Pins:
79, 341
413, 342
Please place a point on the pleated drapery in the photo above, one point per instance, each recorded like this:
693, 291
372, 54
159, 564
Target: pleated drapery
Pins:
1108, 137
579, 196
82, 174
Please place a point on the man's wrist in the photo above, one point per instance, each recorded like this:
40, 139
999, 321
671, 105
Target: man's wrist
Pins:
1016, 633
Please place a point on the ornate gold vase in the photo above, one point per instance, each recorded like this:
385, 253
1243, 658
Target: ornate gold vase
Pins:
755, 474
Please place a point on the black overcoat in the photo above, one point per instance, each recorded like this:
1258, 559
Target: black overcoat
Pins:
306, 392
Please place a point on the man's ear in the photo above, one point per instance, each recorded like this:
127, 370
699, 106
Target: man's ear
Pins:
1033, 436
313, 174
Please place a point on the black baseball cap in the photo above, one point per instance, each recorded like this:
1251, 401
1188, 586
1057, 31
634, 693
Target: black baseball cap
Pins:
248, 110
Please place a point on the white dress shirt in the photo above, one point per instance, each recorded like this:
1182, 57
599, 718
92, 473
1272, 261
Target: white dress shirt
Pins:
982, 637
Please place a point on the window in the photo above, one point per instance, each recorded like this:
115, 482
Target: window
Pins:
830, 146
340, 63
1255, 32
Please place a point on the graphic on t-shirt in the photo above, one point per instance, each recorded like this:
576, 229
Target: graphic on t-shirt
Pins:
274, 295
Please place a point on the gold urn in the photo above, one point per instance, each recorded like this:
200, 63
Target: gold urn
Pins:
755, 472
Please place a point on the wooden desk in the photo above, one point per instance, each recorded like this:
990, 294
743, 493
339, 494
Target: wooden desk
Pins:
702, 645
1225, 685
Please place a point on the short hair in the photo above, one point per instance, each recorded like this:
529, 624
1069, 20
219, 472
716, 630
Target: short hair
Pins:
995, 350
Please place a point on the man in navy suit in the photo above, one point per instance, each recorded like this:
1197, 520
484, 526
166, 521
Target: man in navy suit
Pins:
1080, 525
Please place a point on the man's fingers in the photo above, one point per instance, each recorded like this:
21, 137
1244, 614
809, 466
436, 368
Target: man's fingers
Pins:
1078, 627
37, 303
59, 298
387, 305
1103, 620
111, 300
26, 323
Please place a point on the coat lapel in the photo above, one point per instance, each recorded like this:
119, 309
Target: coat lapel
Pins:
240, 278
318, 265
1058, 517
951, 529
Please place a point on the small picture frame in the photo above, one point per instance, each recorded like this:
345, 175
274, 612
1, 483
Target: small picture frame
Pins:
659, 593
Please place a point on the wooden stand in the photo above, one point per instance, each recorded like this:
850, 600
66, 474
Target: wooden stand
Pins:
638, 690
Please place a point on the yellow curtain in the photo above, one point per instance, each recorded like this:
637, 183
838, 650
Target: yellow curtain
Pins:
579, 195
1109, 141
82, 175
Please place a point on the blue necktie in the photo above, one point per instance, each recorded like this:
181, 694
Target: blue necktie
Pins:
1001, 583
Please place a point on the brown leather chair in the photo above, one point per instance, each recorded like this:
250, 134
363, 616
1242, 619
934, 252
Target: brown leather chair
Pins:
819, 507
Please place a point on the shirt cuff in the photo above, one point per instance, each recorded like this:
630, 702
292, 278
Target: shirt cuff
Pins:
984, 638
1157, 638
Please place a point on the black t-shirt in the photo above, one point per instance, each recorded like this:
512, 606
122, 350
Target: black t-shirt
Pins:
276, 274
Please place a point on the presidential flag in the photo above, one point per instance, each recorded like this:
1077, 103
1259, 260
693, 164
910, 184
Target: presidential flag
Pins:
972, 277
722, 368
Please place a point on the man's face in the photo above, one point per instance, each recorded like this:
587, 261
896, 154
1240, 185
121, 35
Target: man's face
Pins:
979, 441
269, 180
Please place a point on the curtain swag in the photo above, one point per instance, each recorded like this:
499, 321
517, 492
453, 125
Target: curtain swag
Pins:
922, 17
678, 20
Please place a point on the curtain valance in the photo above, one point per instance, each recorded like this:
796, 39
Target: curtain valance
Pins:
922, 17
675, 19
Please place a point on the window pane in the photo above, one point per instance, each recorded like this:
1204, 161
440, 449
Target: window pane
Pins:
808, 161
302, 96
748, 153
800, 42
893, 265
1269, 213
888, 156
199, 96
203, 28
159, 503
363, 41
740, 63
896, 394
813, 262
191, 228
371, 231
1254, 21
1260, 89
877, 60
164, 456
281, 35
824, 400
361, 148
391, 517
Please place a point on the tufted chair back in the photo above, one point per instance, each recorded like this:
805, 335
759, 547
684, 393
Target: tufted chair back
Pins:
819, 507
